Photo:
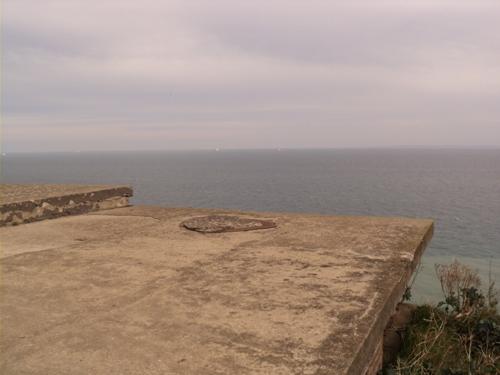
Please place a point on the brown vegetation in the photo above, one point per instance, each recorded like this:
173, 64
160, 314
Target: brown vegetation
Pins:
458, 336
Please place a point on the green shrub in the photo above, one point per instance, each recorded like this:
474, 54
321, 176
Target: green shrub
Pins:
458, 336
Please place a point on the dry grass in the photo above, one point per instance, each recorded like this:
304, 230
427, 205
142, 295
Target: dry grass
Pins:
459, 336
454, 279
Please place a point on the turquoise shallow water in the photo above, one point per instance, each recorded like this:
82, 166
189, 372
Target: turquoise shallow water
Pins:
458, 188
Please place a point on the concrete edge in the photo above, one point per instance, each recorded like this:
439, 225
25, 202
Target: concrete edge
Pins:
366, 360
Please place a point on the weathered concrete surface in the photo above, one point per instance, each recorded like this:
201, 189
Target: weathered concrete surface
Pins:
129, 291
27, 203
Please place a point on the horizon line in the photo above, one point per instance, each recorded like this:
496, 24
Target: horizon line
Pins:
218, 149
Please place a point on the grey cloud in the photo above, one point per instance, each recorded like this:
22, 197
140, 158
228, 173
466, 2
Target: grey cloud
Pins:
350, 35
250, 74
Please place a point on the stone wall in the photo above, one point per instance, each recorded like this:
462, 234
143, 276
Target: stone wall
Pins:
26, 211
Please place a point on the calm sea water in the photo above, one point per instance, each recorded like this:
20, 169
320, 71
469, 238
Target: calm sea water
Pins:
458, 188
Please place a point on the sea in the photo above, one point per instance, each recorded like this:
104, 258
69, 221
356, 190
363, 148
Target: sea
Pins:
458, 188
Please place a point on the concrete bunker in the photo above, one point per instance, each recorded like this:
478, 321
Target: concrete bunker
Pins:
140, 294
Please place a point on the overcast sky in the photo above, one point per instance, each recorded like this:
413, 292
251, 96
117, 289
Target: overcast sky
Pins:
157, 74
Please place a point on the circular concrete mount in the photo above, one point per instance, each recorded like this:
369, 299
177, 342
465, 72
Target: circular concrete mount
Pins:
223, 223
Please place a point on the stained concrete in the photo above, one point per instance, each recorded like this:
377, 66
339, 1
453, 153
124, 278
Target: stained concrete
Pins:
21, 204
130, 291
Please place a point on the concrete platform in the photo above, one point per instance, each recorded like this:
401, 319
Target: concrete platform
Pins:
27, 203
132, 291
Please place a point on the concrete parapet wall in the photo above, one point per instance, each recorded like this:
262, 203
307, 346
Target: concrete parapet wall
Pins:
21, 203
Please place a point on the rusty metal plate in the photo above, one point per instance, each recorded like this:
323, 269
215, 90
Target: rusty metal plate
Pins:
223, 223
